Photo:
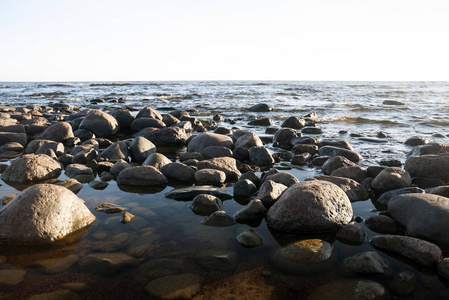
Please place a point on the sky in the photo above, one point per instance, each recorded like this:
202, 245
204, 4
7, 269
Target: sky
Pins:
154, 40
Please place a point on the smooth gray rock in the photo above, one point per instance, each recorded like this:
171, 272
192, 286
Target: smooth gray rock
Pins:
391, 179
188, 193
167, 136
356, 173
225, 164
428, 149
385, 198
219, 219
269, 192
383, 224
420, 251
216, 151
116, 151
415, 141
244, 188
123, 117
283, 138
260, 107
335, 151
262, 122
73, 170
294, 122
41, 214
352, 233
84, 156
10, 279
205, 204
354, 190
335, 163
31, 168
141, 176
260, 156
424, 216
248, 140
144, 122
58, 148
178, 172
250, 239
443, 268
157, 160
141, 148
201, 141
100, 123
58, 132
429, 166
369, 262
7, 137
253, 210
312, 206
282, 177
119, 166
149, 112
439, 190
210, 177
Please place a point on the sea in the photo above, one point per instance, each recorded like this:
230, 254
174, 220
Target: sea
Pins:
375, 117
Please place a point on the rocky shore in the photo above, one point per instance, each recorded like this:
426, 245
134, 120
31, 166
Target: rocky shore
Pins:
96, 147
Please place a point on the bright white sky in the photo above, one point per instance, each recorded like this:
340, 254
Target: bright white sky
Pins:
110, 40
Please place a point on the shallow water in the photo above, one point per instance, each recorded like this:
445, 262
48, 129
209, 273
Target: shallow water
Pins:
170, 229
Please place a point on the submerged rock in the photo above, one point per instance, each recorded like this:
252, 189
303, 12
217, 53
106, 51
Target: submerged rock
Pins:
219, 219
350, 289
188, 193
250, 239
217, 261
205, 205
106, 263
352, 233
42, 213
183, 286
366, 263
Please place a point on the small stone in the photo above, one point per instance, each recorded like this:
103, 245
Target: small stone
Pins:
352, 233
219, 219
183, 286
366, 263
205, 205
250, 239
5, 199
98, 185
127, 217
109, 208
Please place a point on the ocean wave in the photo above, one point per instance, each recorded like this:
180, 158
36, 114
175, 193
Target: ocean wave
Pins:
60, 85
260, 83
110, 84
361, 120
48, 95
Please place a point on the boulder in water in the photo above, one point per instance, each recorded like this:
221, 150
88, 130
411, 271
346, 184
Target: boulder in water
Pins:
30, 168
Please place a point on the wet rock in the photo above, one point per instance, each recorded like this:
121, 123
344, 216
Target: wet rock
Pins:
369, 262
205, 205
439, 190
109, 208
391, 179
8, 137
116, 151
217, 261
244, 188
119, 166
141, 148
123, 117
141, 176
282, 156
356, 173
188, 193
167, 136
270, 191
403, 284
392, 102
5, 199
58, 132
31, 168
56, 265
253, 210
42, 213
216, 151
106, 176
58, 148
306, 257
312, 206
304, 148
71, 184
198, 143
159, 267
335, 151
84, 178
443, 268
283, 138
100, 123
284, 178
84, 156
350, 289
141, 123
261, 107
352, 233
429, 166
390, 162
335, 163
420, 251
250, 239
428, 149
425, 183
262, 122
143, 246
354, 190
178, 172
170, 120
301, 159
312, 130
11, 146
10, 279
106, 263
210, 177
73, 170
248, 140
294, 122
225, 164
183, 286
385, 198
156, 160
98, 185
260, 156
424, 216
250, 175
219, 219
415, 141
149, 112
383, 224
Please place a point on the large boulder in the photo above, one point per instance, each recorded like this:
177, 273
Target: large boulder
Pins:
354, 190
123, 117
42, 213
429, 166
58, 132
100, 123
141, 148
424, 216
30, 168
198, 143
178, 172
149, 112
311, 206
141, 176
